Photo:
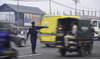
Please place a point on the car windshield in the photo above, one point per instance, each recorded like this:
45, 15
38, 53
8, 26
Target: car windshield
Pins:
12, 26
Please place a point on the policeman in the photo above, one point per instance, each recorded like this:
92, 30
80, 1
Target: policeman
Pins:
33, 38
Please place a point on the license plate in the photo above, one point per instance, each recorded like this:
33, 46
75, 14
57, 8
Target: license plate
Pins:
72, 47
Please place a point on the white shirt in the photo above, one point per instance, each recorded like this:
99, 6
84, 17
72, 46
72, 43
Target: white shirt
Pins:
22, 32
74, 29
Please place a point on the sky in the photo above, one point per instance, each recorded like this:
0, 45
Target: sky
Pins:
92, 5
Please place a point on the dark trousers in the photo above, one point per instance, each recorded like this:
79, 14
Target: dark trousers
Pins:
33, 43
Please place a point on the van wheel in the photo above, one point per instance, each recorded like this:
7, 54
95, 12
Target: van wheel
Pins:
47, 45
62, 51
90, 49
82, 52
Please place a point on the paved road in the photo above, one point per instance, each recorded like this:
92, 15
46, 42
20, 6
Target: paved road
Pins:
52, 53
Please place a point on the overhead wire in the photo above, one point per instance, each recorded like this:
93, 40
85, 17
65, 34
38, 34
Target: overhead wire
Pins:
70, 7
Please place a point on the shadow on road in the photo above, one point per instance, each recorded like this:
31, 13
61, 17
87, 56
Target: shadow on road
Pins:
49, 47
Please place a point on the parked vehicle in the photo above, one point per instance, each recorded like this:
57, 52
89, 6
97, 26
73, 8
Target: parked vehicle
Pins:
19, 40
96, 25
48, 36
83, 41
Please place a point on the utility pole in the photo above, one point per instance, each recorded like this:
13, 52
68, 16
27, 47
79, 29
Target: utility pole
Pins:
18, 11
50, 7
76, 1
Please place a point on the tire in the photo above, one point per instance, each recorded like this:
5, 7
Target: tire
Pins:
90, 49
47, 45
22, 43
82, 52
62, 52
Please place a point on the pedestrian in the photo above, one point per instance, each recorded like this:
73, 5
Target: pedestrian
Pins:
33, 36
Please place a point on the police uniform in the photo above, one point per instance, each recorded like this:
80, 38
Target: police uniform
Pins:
33, 38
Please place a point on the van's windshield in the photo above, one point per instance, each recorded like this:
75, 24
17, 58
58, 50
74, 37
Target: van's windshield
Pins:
95, 23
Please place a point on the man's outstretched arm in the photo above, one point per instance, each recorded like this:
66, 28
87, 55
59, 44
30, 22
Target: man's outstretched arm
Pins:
40, 27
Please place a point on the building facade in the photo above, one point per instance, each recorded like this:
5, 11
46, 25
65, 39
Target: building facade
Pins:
21, 15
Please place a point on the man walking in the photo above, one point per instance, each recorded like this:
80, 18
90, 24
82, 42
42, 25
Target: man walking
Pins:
33, 36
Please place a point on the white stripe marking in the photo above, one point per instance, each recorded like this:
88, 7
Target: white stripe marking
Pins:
99, 46
29, 55
95, 58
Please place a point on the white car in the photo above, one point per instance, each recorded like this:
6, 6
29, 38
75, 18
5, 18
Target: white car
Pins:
19, 40
96, 25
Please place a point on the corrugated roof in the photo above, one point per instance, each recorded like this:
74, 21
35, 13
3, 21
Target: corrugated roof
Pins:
26, 9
